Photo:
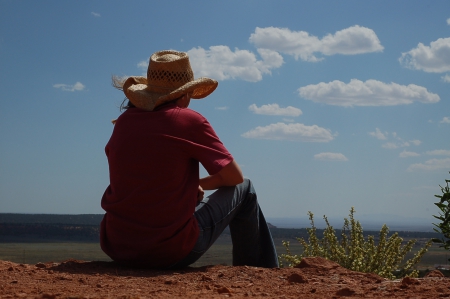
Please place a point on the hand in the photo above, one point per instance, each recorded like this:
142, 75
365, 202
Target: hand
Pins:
200, 194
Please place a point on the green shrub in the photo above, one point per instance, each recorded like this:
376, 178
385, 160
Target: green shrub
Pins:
353, 252
444, 226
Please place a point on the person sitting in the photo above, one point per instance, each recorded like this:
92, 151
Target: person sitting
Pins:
156, 215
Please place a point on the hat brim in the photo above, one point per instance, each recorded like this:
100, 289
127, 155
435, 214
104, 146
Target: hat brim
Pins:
148, 98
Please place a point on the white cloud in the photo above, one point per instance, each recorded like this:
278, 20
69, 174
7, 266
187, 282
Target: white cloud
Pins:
143, 65
406, 154
300, 44
288, 120
66, 87
439, 153
330, 157
378, 134
433, 59
396, 143
292, 132
390, 145
95, 14
220, 63
222, 108
445, 120
274, 109
368, 93
446, 78
400, 143
433, 164
448, 21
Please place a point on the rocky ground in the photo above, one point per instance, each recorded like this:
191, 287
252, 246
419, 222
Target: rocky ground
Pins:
313, 278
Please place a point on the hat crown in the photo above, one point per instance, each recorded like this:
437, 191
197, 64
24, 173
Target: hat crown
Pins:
169, 70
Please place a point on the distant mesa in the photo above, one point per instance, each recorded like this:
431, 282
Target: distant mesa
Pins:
270, 225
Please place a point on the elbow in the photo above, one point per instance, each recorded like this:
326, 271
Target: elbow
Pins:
240, 180
233, 180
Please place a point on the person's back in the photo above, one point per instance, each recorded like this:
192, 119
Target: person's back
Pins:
170, 142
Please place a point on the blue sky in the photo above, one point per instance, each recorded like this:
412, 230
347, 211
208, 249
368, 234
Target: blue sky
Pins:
324, 104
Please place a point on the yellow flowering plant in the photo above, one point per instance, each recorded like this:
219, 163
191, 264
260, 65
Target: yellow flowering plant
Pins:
354, 252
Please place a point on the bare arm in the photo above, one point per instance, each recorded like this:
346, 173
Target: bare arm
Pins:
230, 175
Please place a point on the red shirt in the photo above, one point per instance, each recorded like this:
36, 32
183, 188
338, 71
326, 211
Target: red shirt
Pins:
154, 177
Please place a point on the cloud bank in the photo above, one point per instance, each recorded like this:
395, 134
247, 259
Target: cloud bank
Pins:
368, 93
430, 165
66, 87
300, 44
397, 142
432, 59
330, 157
274, 109
439, 153
406, 154
291, 132
220, 63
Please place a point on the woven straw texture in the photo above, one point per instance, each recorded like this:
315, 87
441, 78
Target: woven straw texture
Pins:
169, 76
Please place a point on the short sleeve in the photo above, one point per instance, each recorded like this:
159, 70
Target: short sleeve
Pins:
208, 149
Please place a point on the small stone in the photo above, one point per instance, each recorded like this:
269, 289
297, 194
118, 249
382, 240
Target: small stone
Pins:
409, 280
434, 273
40, 265
297, 278
345, 292
170, 281
223, 290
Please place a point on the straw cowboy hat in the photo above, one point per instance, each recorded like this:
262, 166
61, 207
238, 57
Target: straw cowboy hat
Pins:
169, 76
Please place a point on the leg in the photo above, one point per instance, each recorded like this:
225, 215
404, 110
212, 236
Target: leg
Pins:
237, 207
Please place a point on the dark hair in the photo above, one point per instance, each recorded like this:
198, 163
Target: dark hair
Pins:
126, 104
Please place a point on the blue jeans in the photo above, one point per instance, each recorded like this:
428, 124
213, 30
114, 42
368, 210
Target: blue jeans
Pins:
237, 207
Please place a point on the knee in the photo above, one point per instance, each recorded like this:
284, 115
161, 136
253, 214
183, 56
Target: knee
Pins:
248, 185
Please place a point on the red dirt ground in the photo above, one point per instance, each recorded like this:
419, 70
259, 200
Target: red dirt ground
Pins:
313, 278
